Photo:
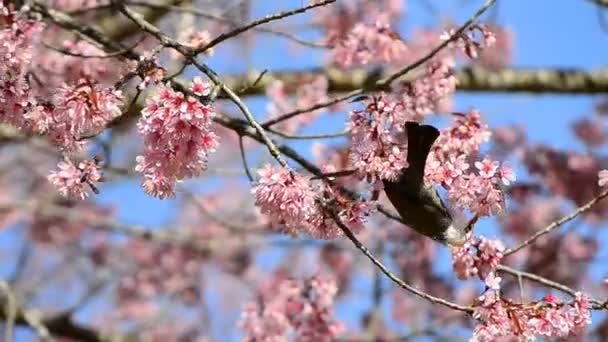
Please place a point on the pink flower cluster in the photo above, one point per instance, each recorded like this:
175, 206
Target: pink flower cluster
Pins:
17, 38
377, 149
430, 92
501, 53
178, 138
469, 43
303, 310
80, 110
293, 205
367, 44
54, 68
339, 19
307, 94
75, 181
549, 318
148, 70
158, 271
477, 257
286, 197
478, 190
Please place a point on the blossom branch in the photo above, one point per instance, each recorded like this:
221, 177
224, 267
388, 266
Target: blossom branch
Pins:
59, 325
435, 300
391, 78
597, 305
385, 82
186, 51
224, 36
203, 14
556, 224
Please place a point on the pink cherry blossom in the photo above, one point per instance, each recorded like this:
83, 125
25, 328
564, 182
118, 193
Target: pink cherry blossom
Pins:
82, 110
548, 318
367, 44
76, 181
307, 93
487, 168
479, 256
284, 196
302, 310
178, 135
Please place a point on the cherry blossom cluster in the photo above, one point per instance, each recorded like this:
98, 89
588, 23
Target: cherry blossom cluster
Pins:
285, 197
17, 39
339, 19
76, 59
549, 318
80, 110
501, 53
178, 138
369, 44
477, 257
148, 70
570, 174
378, 150
60, 231
469, 43
158, 271
307, 94
293, 204
477, 189
76, 181
429, 92
293, 309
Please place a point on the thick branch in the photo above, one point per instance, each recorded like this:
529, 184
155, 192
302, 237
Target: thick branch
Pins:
60, 326
471, 79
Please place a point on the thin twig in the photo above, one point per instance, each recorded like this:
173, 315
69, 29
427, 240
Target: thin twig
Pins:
10, 309
435, 300
384, 83
547, 282
556, 224
244, 159
107, 55
222, 37
199, 13
308, 137
388, 80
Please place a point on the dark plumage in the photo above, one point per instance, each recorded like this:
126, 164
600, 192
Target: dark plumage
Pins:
420, 205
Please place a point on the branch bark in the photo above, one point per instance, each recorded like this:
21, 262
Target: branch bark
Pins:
470, 79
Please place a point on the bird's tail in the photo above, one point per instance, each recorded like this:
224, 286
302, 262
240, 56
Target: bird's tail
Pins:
420, 138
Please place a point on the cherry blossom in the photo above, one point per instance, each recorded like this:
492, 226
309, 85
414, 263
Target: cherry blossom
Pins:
548, 318
292, 204
367, 44
178, 134
76, 181
301, 309
479, 256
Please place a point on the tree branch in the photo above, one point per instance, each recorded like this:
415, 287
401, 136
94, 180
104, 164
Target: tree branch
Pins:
470, 79
556, 224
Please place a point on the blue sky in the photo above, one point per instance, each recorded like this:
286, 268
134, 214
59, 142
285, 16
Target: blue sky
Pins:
548, 33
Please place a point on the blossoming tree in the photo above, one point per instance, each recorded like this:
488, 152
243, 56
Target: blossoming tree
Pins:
274, 233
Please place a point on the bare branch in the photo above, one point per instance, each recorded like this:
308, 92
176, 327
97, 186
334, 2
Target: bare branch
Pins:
435, 300
224, 36
556, 224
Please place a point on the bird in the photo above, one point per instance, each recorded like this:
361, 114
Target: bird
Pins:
419, 204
